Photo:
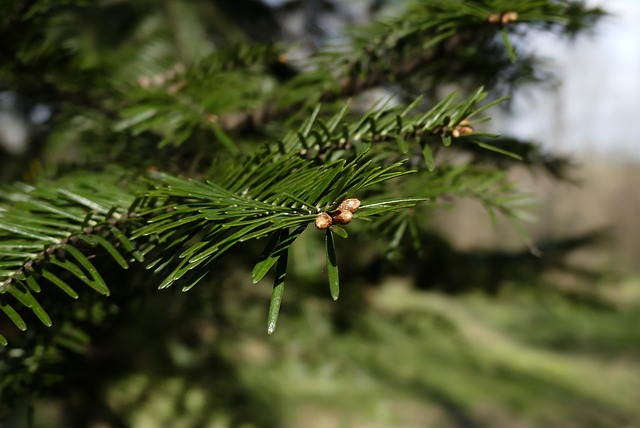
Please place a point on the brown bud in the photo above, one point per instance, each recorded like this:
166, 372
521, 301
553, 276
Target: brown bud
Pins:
323, 221
463, 128
509, 17
494, 18
504, 17
342, 217
351, 204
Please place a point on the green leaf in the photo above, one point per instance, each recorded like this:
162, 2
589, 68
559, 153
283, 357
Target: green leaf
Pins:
71, 267
193, 280
13, 316
308, 125
224, 138
267, 259
499, 150
127, 244
341, 232
332, 266
3, 341
28, 300
507, 44
437, 39
428, 157
31, 281
135, 115
278, 291
98, 283
108, 246
60, 283
23, 231
386, 206
84, 201
404, 146
300, 201
19, 296
41, 313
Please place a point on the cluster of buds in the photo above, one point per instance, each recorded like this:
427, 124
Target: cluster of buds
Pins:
503, 18
342, 215
462, 128
147, 82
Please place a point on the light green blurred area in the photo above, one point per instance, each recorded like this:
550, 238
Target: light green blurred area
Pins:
520, 359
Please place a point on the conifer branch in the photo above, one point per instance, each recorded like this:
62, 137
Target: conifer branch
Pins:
181, 227
381, 53
274, 191
391, 51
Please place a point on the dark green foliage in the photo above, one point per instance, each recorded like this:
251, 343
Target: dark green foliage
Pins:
176, 141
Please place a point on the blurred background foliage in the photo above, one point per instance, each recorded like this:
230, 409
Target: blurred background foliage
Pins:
435, 331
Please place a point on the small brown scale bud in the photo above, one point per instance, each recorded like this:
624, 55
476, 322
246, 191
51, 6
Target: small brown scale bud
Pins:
351, 204
323, 221
503, 18
342, 217
344, 213
509, 17
494, 18
463, 128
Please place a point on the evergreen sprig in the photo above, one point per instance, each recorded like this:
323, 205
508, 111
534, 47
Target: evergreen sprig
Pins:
389, 131
182, 226
51, 228
275, 192
419, 44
